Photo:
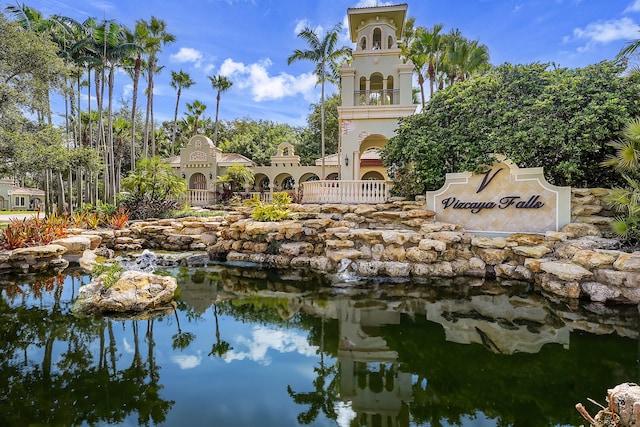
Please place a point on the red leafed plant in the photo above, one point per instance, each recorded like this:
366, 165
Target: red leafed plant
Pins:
33, 231
119, 219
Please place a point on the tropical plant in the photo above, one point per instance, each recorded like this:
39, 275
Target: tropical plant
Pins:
221, 84
195, 110
119, 219
626, 200
179, 80
327, 57
152, 188
155, 38
534, 114
275, 211
237, 176
109, 273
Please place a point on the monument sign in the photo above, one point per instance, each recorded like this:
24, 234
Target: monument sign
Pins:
503, 200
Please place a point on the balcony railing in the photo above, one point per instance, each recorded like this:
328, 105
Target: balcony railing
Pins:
198, 197
346, 192
377, 97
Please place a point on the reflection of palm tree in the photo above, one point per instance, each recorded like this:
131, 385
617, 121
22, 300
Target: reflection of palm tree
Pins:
181, 340
219, 348
321, 399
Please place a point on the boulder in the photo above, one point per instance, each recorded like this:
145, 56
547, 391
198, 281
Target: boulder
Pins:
133, 292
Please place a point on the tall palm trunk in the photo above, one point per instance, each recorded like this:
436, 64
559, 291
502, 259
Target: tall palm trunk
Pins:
134, 104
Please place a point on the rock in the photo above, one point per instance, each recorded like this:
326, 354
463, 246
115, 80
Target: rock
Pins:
88, 260
558, 287
537, 251
594, 259
566, 271
430, 244
489, 242
624, 279
197, 260
439, 269
35, 252
598, 292
133, 292
526, 239
492, 256
397, 269
422, 256
628, 262
337, 256
576, 230
625, 399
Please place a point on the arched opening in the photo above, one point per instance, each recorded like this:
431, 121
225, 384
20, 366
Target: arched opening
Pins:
372, 176
197, 181
332, 176
375, 86
363, 91
390, 91
363, 43
377, 38
309, 177
283, 182
389, 42
2, 203
260, 182
288, 183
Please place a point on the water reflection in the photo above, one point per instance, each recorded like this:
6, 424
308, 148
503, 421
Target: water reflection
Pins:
249, 346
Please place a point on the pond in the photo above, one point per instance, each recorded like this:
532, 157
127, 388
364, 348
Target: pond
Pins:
252, 347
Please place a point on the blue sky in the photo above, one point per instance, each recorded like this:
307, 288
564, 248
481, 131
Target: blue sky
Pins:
250, 41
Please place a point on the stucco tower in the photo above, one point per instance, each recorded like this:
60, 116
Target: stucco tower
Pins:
375, 90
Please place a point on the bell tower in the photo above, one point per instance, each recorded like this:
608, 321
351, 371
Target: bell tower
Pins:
376, 89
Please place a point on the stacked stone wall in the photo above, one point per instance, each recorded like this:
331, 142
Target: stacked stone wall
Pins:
399, 240
588, 206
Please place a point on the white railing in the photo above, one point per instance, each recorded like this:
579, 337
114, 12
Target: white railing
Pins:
265, 196
347, 192
198, 197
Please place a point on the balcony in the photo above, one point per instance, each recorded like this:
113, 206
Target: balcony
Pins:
346, 192
377, 97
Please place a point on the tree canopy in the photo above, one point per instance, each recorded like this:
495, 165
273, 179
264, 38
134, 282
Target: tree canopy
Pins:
535, 114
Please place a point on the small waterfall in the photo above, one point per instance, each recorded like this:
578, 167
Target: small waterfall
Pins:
146, 262
346, 272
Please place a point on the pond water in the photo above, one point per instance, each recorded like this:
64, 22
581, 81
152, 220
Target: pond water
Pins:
252, 347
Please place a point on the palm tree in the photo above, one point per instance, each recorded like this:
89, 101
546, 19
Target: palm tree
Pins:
152, 44
222, 84
431, 42
326, 56
195, 109
179, 81
626, 201
134, 66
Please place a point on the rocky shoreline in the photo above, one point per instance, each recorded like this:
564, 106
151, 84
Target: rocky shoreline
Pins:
397, 240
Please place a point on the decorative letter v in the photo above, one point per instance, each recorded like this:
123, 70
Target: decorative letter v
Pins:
487, 179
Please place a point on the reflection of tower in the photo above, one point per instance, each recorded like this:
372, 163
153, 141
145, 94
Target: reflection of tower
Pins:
369, 374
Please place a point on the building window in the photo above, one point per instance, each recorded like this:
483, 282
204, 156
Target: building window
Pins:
19, 201
363, 43
390, 42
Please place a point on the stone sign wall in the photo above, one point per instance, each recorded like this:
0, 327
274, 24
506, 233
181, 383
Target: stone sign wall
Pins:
504, 200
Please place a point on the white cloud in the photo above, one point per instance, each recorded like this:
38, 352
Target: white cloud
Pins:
262, 340
187, 54
603, 32
265, 87
187, 362
633, 7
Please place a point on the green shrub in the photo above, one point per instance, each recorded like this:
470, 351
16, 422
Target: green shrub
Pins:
275, 211
110, 273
